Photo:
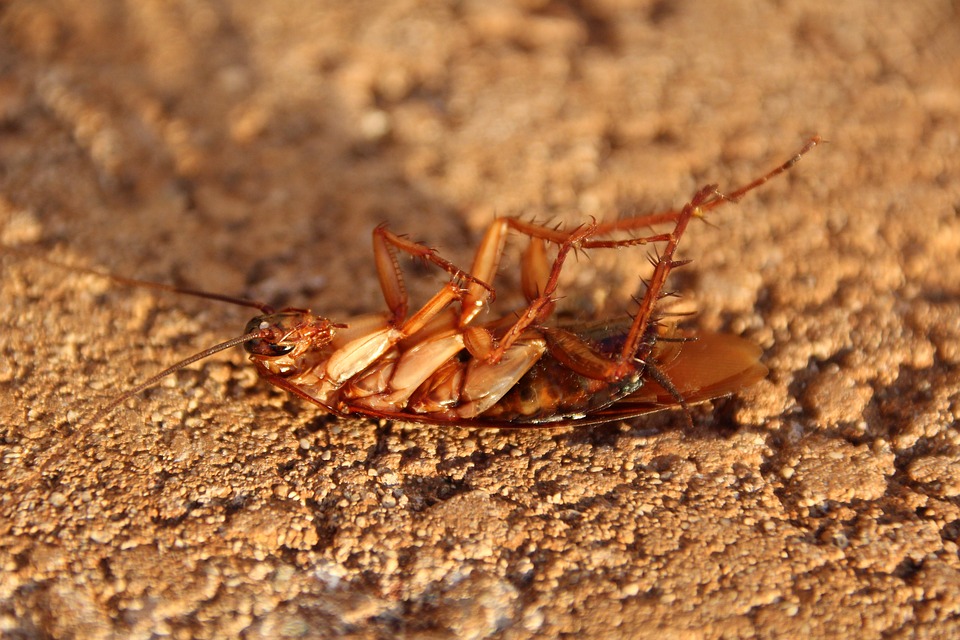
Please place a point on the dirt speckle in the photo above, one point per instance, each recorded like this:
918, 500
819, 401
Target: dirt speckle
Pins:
940, 473
835, 397
836, 471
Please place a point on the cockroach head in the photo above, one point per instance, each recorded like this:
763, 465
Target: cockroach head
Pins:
288, 332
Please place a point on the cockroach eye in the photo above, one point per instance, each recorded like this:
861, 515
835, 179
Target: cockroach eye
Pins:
264, 348
261, 346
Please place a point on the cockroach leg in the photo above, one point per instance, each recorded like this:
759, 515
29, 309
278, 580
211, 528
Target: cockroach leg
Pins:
710, 203
534, 269
385, 245
440, 301
736, 194
538, 277
540, 308
485, 263
633, 347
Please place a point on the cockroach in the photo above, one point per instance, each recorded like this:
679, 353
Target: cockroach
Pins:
443, 364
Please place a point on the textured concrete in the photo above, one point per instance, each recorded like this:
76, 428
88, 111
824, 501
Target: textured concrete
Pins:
251, 146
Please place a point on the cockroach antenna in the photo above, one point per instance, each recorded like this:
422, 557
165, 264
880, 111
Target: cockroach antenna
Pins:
140, 284
157, 377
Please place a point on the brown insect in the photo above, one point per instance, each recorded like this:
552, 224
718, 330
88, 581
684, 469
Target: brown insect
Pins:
443, 364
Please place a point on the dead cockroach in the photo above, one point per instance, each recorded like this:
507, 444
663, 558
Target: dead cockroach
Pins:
442, 365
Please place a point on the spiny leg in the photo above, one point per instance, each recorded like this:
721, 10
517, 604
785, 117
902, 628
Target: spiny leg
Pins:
634, 348
486, 261
736, 194
652, 219
540, 291
536, 270
539, 283
571, 349
385, 245
539, 308
704, 200
450, 293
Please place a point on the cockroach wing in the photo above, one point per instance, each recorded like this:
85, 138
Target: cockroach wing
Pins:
710, 366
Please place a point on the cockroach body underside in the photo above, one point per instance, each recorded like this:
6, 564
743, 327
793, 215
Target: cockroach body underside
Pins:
443, 365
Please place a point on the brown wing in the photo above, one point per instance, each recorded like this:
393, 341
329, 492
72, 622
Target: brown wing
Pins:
711, 366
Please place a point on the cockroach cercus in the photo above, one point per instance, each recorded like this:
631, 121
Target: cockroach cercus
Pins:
444, 364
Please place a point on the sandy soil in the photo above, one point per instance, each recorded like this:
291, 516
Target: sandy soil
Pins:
251, 146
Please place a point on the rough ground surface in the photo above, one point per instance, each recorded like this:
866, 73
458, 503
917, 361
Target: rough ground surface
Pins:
251, 147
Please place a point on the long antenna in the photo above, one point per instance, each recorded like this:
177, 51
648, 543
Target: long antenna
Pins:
154, 379
142, 284
157, 377
78, 434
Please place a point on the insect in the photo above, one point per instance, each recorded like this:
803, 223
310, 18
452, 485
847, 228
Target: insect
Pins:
445, 363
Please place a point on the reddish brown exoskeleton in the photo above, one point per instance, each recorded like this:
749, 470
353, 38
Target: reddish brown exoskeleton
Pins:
443, 365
